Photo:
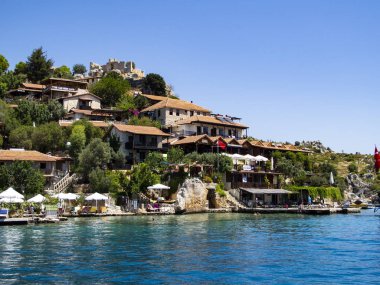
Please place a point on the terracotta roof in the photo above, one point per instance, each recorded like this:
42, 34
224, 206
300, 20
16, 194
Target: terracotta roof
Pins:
99, 124
216, 138
176, 104
154, 97
171, 140
140, 130
33, 86
208, 120
28, 155
192, 139
271, 145
231, 141
80, 111
47, 80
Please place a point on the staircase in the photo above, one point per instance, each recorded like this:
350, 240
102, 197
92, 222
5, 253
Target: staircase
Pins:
231, 200
62, 184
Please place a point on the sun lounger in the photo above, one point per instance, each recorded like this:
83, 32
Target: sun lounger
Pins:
93, 210
4, 213
150, 208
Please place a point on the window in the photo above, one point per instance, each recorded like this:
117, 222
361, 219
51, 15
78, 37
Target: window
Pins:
159, 113
221, 132
198, 113
42, 165
142, 139
229, 132
153, 141
170, 111
191, 113
213, 132
199, 130
205, 130
177, 112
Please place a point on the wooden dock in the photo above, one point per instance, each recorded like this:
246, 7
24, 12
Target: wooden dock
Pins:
14, 221
305, 211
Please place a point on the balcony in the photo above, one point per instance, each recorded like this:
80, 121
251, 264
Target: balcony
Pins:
237, 185
150, 145
185, 133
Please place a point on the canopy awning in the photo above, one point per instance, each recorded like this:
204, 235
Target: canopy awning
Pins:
37, 199
266, 191
11, 193
96, 197
158, 187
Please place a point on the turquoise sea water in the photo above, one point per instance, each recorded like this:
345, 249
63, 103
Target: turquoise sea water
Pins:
200, 248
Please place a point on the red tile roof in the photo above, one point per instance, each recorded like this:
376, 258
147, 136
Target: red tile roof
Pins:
140, 130
176, 104
28, 155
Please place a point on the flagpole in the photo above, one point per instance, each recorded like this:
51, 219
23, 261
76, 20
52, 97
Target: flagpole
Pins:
217, 151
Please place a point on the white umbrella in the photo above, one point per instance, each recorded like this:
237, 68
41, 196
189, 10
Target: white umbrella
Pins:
249, 157
158, 187
11, 200
11, 196
37, 199
11, 193
66, 196
261, 158
96, 197
237, 156
331, 178
271, 163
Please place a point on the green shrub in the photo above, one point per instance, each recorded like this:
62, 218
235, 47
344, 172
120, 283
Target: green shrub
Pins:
220, 191
352, 168
333, 193
207, 179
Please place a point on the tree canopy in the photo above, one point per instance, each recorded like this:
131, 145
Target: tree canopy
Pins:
96, 154
28, 112
154, 84
4, 64
22, 176
111, 88
62, 72
38, 66
79, 69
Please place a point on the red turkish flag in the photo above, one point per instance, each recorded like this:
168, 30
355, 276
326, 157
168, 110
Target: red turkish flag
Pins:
221, 144
377, 159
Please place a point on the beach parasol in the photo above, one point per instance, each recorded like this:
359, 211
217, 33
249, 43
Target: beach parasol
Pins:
96, 197
37, 199
11, 196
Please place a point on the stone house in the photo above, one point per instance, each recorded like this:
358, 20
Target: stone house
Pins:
168, 111
85, 101
53, 168
137, 141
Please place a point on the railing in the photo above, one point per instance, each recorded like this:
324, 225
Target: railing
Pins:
146, 145
62, 184
185, 133
236, 185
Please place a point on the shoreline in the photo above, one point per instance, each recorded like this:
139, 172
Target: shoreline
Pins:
254, 211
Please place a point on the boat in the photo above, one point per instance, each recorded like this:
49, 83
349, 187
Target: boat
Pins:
359, 204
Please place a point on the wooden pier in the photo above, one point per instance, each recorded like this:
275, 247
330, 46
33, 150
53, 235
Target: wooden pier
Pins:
305, 211
14, 221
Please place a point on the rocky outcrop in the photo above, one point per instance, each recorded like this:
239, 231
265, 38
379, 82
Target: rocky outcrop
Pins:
357, 185
192, 197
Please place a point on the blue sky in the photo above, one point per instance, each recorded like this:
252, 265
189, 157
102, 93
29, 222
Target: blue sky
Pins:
293, 70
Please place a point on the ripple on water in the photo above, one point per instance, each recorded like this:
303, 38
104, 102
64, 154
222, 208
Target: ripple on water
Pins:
201, 248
